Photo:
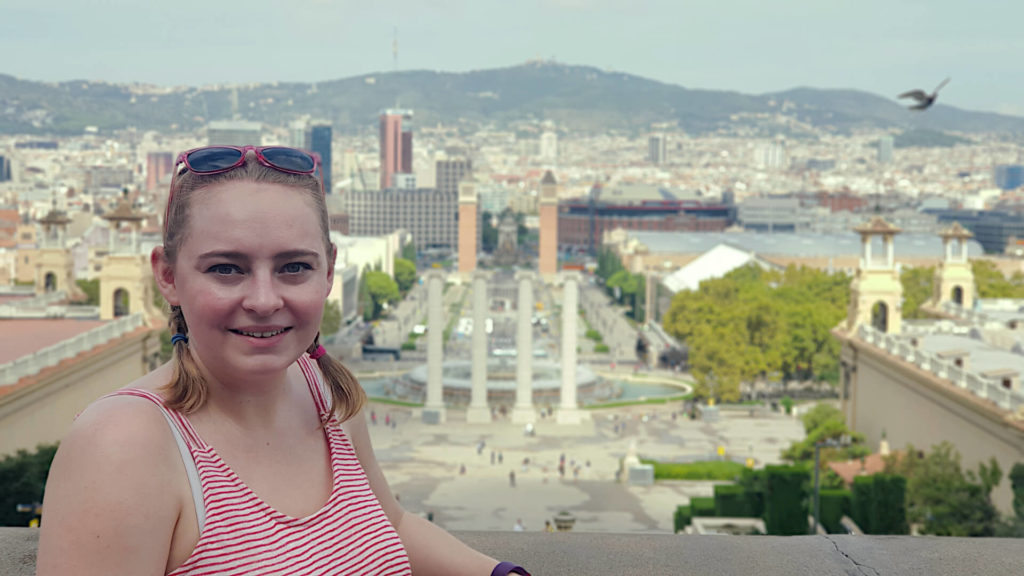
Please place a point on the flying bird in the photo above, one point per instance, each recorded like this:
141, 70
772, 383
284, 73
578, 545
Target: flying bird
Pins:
923, 100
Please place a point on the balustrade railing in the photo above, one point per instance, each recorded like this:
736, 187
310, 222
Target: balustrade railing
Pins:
33, 363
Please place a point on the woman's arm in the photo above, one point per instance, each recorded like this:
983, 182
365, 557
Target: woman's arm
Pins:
111, 504
431, 549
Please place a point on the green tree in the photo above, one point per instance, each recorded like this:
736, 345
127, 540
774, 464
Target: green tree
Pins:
409, 252
383, 290
366, 307
944, 499
22, 481
91, 289
823, 423
405, 274
489, 233
918, 286
330, 322
991, 283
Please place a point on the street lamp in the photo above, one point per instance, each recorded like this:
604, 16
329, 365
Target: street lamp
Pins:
828, 443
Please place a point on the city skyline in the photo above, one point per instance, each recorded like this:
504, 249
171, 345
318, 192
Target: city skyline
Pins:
876, 47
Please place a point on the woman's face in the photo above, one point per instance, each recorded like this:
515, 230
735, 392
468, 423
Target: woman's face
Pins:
251, 277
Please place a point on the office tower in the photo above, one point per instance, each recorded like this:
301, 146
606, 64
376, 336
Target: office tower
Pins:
885, 149
234, 133
548, 261
5, 169
549, 147
656, 149
467, 226
1008, 176
395, 146
320, 142
450, 171
428, 214
298, 134
158, 165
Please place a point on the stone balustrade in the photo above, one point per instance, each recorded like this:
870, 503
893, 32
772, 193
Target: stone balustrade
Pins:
33, 363
979, 385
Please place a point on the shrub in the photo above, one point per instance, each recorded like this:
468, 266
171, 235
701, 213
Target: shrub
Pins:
682, 518
863, 489
408, 345
834, 503
702, 506
713, 470
889, 508
731, 501
594, 335
785, 500
601, 348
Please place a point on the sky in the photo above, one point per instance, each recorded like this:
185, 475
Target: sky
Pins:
753, 46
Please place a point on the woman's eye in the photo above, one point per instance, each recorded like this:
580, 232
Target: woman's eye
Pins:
224, 269
296, 267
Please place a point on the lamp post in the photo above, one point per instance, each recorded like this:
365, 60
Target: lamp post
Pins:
828, 443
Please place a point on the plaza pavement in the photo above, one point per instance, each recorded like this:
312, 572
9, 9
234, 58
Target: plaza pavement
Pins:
422, 463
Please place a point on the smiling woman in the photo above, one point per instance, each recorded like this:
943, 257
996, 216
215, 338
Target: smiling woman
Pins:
248, 453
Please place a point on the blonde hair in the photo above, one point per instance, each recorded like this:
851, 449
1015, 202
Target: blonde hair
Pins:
186, 390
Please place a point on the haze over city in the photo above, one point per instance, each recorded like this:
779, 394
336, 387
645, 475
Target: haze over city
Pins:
745, 45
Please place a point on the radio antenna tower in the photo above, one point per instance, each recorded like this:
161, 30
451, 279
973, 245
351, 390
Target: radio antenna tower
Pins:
394, 48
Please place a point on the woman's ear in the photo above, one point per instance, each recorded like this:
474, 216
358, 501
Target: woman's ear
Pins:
163, 272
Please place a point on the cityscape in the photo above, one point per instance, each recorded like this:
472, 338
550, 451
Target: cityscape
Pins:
774, 321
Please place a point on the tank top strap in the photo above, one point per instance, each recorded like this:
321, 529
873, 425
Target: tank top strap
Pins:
176, 418
315, 381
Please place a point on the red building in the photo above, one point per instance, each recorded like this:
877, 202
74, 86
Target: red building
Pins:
395, 146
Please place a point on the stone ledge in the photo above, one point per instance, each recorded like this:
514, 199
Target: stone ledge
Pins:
581, 553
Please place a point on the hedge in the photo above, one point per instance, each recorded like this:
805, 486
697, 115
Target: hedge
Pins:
710, 470
682, 518
752, 482
785, 500
702, 506
834, 504
889, 509
731, 501
863, 493
601, 349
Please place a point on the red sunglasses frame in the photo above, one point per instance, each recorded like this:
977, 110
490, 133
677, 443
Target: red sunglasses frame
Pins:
257, 150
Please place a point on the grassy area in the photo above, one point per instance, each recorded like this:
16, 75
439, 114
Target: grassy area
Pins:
713, 470
395, 402
664, 400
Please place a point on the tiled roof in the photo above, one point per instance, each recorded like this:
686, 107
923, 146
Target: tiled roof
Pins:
21, 337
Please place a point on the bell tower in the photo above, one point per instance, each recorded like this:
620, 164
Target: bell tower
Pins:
954, 281
876, 293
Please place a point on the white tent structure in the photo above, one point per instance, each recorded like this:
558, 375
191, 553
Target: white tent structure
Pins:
714, 263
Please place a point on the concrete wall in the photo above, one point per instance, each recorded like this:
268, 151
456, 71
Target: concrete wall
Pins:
662, 554
41, 411
913, 406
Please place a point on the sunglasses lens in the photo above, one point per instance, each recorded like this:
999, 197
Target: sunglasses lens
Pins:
289, 159
213, 159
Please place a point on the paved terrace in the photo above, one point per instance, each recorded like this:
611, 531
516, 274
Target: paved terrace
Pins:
660, 554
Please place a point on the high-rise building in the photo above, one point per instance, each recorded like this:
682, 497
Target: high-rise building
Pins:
1008, 176
158, 165
549, 147
395, 146
234, 133
656, 149
320, 142
885, 149
548, 261
450, 171
428, 214
5, 169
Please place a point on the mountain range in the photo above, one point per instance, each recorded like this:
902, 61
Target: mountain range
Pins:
575, 98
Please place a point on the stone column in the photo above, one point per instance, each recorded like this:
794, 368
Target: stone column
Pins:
433, 410
568, 411
479, 412
523, 412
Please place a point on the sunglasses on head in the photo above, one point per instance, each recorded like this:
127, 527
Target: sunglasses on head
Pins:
217, 159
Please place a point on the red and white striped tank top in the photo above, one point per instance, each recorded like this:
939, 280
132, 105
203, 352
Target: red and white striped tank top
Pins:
243, 535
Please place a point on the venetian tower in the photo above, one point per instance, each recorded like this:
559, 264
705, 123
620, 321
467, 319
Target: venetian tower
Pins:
548, 207
876, 293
